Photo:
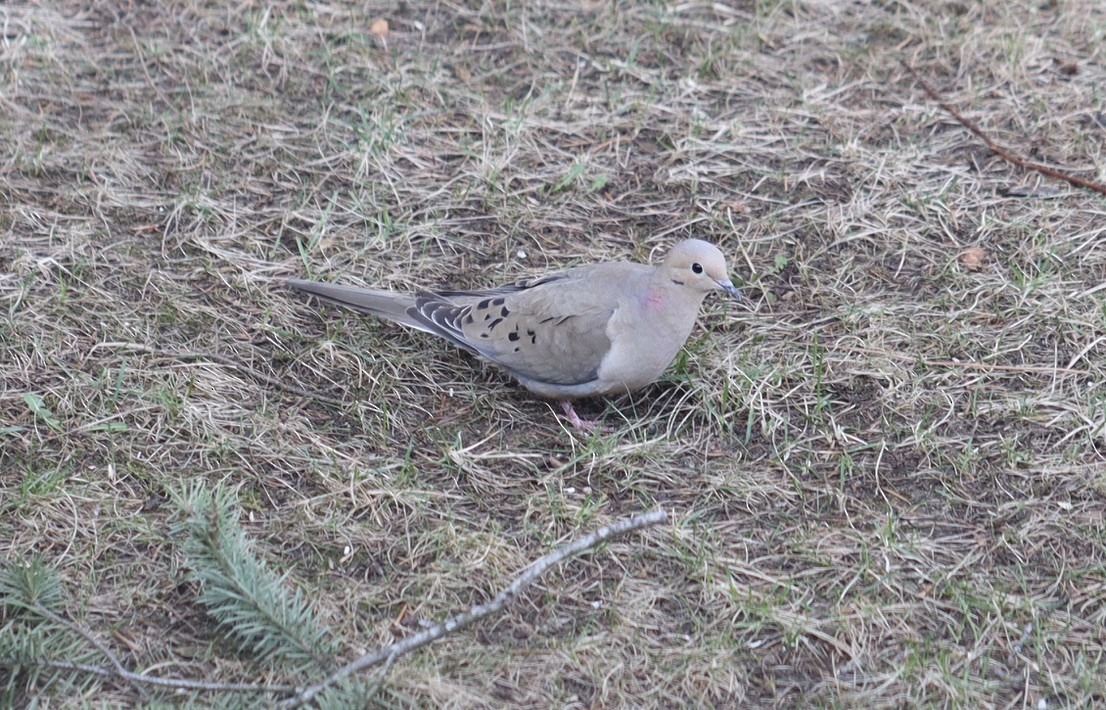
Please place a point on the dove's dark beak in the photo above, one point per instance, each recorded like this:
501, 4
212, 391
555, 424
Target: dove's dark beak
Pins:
727, 286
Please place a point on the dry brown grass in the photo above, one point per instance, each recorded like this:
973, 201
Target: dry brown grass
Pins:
887, 475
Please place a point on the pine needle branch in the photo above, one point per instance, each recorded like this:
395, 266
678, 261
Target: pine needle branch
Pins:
240, 591
48, 640
29, 595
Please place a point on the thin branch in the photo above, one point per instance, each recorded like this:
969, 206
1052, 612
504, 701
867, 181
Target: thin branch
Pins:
392, 651
178, 683
998, 149
120, 671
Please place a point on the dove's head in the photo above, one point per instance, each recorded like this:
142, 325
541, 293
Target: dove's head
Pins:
699, 266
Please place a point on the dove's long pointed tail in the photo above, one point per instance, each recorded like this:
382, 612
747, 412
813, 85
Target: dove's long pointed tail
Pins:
383, 304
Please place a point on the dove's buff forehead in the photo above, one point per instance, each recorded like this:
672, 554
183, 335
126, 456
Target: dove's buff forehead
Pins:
601, 329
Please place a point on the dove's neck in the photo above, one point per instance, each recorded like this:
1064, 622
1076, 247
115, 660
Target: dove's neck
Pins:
665, 296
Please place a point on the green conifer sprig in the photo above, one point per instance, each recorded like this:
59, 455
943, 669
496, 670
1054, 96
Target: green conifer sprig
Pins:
31, 600
254, 605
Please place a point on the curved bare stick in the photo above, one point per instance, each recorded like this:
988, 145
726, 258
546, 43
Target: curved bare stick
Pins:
506, 597
998, 149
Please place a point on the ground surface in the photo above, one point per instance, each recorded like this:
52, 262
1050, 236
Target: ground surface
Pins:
885, 471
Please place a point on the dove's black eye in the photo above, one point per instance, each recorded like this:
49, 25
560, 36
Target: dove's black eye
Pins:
697, 268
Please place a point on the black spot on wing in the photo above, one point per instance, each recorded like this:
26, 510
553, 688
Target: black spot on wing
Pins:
559, 319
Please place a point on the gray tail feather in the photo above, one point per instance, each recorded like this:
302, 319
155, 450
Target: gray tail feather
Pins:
384, 304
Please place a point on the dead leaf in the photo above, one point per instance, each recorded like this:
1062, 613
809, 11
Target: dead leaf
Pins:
972, 258
379, 27
1066, 68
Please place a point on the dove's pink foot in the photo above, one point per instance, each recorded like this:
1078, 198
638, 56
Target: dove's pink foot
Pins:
575, 420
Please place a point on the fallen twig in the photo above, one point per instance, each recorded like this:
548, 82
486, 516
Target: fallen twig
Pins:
120, 671
998, 149
136, 678
392, 651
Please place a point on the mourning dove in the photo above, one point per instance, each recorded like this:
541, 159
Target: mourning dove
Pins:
602, 329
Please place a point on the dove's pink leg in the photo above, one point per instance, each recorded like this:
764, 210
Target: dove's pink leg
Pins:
575, 420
